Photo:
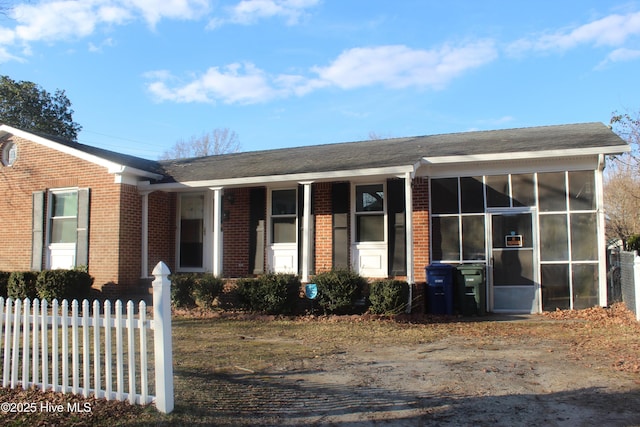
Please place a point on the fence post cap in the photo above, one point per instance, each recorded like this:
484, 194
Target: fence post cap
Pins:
161, 269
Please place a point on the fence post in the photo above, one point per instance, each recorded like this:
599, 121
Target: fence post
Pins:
636, 284
162, 338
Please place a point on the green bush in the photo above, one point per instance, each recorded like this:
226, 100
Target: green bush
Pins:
22, 284
181, 290
388, 296
245, 290
189, 289
79, 283
63, 284
338, 290
273, 293
206, 288
4, 281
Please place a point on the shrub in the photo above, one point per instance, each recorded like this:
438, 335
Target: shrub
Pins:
181, 290
63, 284
22, 284
4, 281
273, 293
206, 288
52, 285
338, 290
388, 296
245, 290
79, 283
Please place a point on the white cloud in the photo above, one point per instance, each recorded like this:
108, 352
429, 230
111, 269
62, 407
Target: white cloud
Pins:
234, 84
399, 66
248, 12
620, 55
57, 20
390, 66
612, 30
155, 10
108, 42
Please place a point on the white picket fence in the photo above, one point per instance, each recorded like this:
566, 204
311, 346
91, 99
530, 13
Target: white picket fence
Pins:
80, 350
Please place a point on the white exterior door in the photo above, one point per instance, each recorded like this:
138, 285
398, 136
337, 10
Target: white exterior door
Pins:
282, 252
370, 231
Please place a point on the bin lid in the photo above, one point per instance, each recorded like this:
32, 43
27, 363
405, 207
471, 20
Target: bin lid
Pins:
471, 268
438, 266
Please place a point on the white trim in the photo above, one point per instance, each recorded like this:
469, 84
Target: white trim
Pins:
368, 174
408, 209
217, 235
472, 158
306, 232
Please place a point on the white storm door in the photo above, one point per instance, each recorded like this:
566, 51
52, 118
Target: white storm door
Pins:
283, 231
370, 231
63, 229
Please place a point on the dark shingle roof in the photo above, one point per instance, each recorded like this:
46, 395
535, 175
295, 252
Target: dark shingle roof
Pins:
388, 152
112, 156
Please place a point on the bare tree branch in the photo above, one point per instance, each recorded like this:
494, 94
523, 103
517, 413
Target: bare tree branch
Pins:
218, 141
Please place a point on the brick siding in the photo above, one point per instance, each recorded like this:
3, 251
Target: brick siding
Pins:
114, 251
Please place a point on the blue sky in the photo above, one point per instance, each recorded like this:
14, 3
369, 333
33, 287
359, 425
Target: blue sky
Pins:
143, 74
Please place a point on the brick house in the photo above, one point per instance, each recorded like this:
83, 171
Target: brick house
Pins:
526, 204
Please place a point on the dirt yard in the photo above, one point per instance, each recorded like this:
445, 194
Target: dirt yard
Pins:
561, 369
459, 380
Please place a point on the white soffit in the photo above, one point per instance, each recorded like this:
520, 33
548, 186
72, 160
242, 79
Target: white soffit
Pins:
526, 155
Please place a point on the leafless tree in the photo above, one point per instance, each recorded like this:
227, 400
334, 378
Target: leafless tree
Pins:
622, 181
218, 141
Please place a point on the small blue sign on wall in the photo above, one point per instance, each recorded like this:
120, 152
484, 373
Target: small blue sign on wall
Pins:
311, 291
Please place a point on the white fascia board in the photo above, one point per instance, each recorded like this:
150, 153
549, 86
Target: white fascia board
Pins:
526, 155
399, 171
112, 167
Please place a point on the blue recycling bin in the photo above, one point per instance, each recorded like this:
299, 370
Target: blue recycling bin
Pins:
439, 289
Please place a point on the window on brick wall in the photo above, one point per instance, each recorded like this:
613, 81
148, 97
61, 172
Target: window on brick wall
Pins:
65, 231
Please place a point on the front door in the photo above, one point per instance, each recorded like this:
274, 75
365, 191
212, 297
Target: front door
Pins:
513, 263
283, 233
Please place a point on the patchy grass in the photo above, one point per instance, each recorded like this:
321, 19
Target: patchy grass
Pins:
213, 353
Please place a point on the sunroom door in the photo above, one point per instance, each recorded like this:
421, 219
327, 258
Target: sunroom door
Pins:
283, 232
513, 263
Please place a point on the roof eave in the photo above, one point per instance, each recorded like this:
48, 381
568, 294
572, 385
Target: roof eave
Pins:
490, 157
112, 167
280, 179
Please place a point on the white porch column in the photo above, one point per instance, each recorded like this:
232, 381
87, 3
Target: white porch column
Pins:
144, 227
306, 232
217, 235
408, 208
601, 235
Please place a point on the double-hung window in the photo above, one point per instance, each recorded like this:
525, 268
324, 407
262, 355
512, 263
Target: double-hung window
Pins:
64, 217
